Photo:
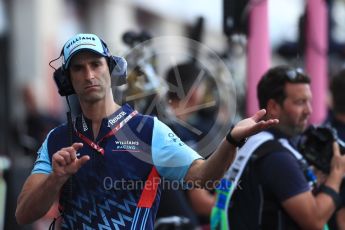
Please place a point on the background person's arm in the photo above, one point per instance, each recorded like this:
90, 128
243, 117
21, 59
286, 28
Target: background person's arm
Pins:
313, 212
202, 201
341, 219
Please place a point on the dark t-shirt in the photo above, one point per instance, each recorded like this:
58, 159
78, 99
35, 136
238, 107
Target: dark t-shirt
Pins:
272, 176
281, 174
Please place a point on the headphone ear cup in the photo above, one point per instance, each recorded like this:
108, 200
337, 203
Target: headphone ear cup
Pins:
118, 70
63, 83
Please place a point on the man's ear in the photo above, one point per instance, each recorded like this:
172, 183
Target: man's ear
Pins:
273, 108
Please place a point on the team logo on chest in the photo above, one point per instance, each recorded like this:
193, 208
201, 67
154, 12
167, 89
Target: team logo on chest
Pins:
85, 128
127, 145
112, 122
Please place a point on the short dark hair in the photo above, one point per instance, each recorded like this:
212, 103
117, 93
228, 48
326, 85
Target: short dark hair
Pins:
337, 88
272, 83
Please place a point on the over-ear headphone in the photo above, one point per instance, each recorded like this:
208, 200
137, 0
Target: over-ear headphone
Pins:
117, 68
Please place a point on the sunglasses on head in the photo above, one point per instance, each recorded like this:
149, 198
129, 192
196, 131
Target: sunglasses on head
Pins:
295, 74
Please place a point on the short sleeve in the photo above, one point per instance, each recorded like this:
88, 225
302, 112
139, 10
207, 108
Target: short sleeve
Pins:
171, 156
43, 163
282, 175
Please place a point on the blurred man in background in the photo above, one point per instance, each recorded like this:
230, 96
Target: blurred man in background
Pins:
276, 189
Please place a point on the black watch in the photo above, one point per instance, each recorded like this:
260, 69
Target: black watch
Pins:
234, 142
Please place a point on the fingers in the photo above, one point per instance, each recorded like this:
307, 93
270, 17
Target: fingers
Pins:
338, 162
73, 150
67, 155
264, 124
269, 123
59, 159
81, 161
65, 161
275, 121
261, 125
259, 115
77, 146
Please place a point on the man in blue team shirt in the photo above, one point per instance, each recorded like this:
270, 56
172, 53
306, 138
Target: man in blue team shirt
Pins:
114, 148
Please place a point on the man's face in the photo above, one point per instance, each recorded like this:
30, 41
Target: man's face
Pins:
294, 113
90, 76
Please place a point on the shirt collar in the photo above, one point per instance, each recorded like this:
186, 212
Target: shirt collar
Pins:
84, 124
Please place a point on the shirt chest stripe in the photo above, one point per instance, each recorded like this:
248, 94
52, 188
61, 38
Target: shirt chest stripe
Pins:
147, 211
135, 219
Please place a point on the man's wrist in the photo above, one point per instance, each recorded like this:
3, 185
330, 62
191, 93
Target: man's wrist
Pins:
337, 200
58, 179
233, 141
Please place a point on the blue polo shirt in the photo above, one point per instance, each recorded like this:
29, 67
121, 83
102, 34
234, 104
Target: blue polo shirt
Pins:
105, 192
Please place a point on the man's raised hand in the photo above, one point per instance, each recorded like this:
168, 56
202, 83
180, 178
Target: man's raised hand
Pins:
65, 161
252, 125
